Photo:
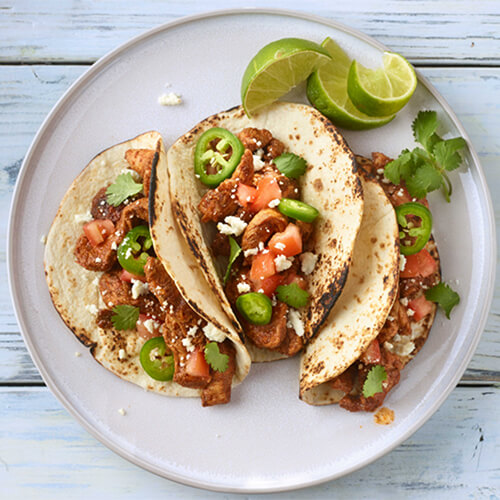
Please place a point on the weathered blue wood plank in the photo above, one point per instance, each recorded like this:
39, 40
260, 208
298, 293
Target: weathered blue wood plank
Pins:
28, 93
437, 31
45, 454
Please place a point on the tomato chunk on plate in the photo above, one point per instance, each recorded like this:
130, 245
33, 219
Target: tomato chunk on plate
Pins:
420, 264
372, 355
288, 243
98, 230
267, 191
246, 194
263, 267
421, 307
196, 365
143, 331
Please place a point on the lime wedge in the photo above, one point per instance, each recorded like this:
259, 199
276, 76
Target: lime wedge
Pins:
277, 68
382, 91
327, 91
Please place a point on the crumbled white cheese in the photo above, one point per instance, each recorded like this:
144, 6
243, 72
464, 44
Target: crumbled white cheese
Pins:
114, 246
402, 345
86, 217
232, 225
282, 263
192, 331
135, 175
43, 239
213, 333
98, 259
280, 246
410, 312
308, 260
78, 354
294, 321
258, 163
402, 262
243, 287
380, 171
128, 253
404, 301
151, 325
122, 412
91, 308
139, 288
122, 354
186, 342
170, 99
274, 203
251, 251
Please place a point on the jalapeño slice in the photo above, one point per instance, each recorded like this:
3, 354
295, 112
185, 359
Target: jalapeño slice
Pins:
255, 307
132, 252
155, 360
297, 209
413, 237
217, 154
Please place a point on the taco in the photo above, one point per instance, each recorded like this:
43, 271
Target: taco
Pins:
382, 318
269, 207
115, 295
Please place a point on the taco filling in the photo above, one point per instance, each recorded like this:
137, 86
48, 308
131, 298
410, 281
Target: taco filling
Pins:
138, 304
364, 384
264, 231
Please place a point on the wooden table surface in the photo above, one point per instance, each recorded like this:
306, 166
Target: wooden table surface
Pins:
45, 46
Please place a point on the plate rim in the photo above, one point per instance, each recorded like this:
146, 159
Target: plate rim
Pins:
101, 437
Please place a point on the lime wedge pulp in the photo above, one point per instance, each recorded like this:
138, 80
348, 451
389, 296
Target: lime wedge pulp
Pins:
277, 68
382, 91
327, 92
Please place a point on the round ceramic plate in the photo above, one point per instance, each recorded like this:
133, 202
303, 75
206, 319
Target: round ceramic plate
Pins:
265, 439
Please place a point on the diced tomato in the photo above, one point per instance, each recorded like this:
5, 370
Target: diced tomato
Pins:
406, 197
372, 355
288, 243
421, 306
143, 331
267, 190
98, 230
263, 266
196, 365
419, 264
128, 277
269, 285
300, 280
246, 194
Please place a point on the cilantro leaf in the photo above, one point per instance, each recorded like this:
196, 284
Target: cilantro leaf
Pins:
373, 382
402, 166
123, 187
125, 317
443, 295
291, 165
424, 126
215, 358
425, 179
446, 154
292, 295
234, 253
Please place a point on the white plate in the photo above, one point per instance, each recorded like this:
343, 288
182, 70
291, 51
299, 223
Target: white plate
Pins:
266, 439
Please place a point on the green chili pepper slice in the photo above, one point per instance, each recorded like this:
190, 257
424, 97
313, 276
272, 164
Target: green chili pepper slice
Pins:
218, 152
155, 360
297, 210
412, 237
132, 254
255, 307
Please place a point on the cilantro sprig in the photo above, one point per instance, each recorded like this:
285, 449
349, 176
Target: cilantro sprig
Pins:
123, 187
426, 169
215, 358
444, 296
373, 382
125, 317
235, 251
